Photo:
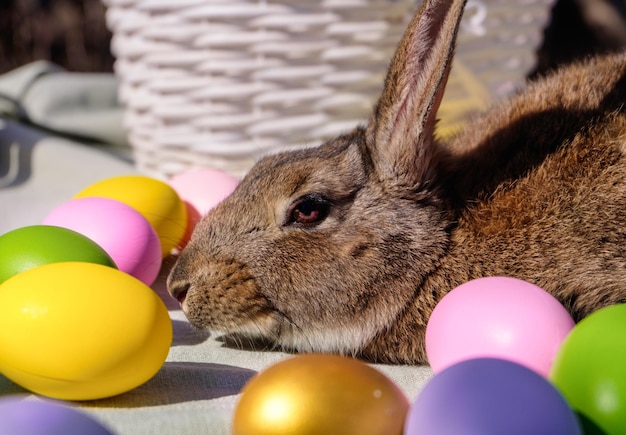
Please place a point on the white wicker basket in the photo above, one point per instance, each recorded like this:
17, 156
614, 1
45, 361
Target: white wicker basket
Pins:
219, 83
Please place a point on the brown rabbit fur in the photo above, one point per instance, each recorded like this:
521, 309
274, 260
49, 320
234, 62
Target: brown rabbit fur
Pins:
347, 247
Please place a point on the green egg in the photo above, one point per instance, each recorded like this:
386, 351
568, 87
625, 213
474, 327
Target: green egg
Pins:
29, 247
590, 371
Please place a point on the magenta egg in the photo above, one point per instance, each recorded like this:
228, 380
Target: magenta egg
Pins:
119, 229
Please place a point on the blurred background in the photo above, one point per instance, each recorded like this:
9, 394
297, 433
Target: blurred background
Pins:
73, 34
70, 33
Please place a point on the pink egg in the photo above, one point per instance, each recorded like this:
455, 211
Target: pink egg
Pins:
497, 317
118, 228
201, 190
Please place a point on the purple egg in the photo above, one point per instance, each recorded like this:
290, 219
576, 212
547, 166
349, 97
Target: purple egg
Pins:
489, 396
19, 415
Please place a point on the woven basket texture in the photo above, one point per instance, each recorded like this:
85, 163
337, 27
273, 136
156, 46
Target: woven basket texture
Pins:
220, 83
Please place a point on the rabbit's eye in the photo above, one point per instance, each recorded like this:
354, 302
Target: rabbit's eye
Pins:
308, 210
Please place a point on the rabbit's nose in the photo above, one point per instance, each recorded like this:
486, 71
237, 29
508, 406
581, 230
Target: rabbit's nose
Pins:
179, 279
179, 290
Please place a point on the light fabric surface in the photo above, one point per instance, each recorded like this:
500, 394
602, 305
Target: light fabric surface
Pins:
197, 389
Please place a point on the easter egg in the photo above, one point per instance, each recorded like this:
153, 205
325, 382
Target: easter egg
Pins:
22, 416
320, 394
28, 247
488, 396
81, 331
590, 370
154, 199
201, 189
497, 317
119, 229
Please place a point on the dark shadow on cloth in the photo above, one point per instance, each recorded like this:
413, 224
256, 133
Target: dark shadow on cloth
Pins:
241, 342
16, 154
179, 382
187, 335
7, 387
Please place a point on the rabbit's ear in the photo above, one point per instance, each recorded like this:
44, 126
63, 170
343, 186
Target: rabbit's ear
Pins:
400, 134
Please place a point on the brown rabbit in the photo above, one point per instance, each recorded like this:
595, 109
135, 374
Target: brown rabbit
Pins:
347, 247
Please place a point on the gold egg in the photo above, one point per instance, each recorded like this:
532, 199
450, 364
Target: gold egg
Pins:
320, 394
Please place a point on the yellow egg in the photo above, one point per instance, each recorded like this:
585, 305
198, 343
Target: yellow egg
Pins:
81, 331
155, 200
320, 394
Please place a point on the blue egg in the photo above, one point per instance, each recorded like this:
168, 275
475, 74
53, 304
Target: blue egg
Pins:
19, 415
